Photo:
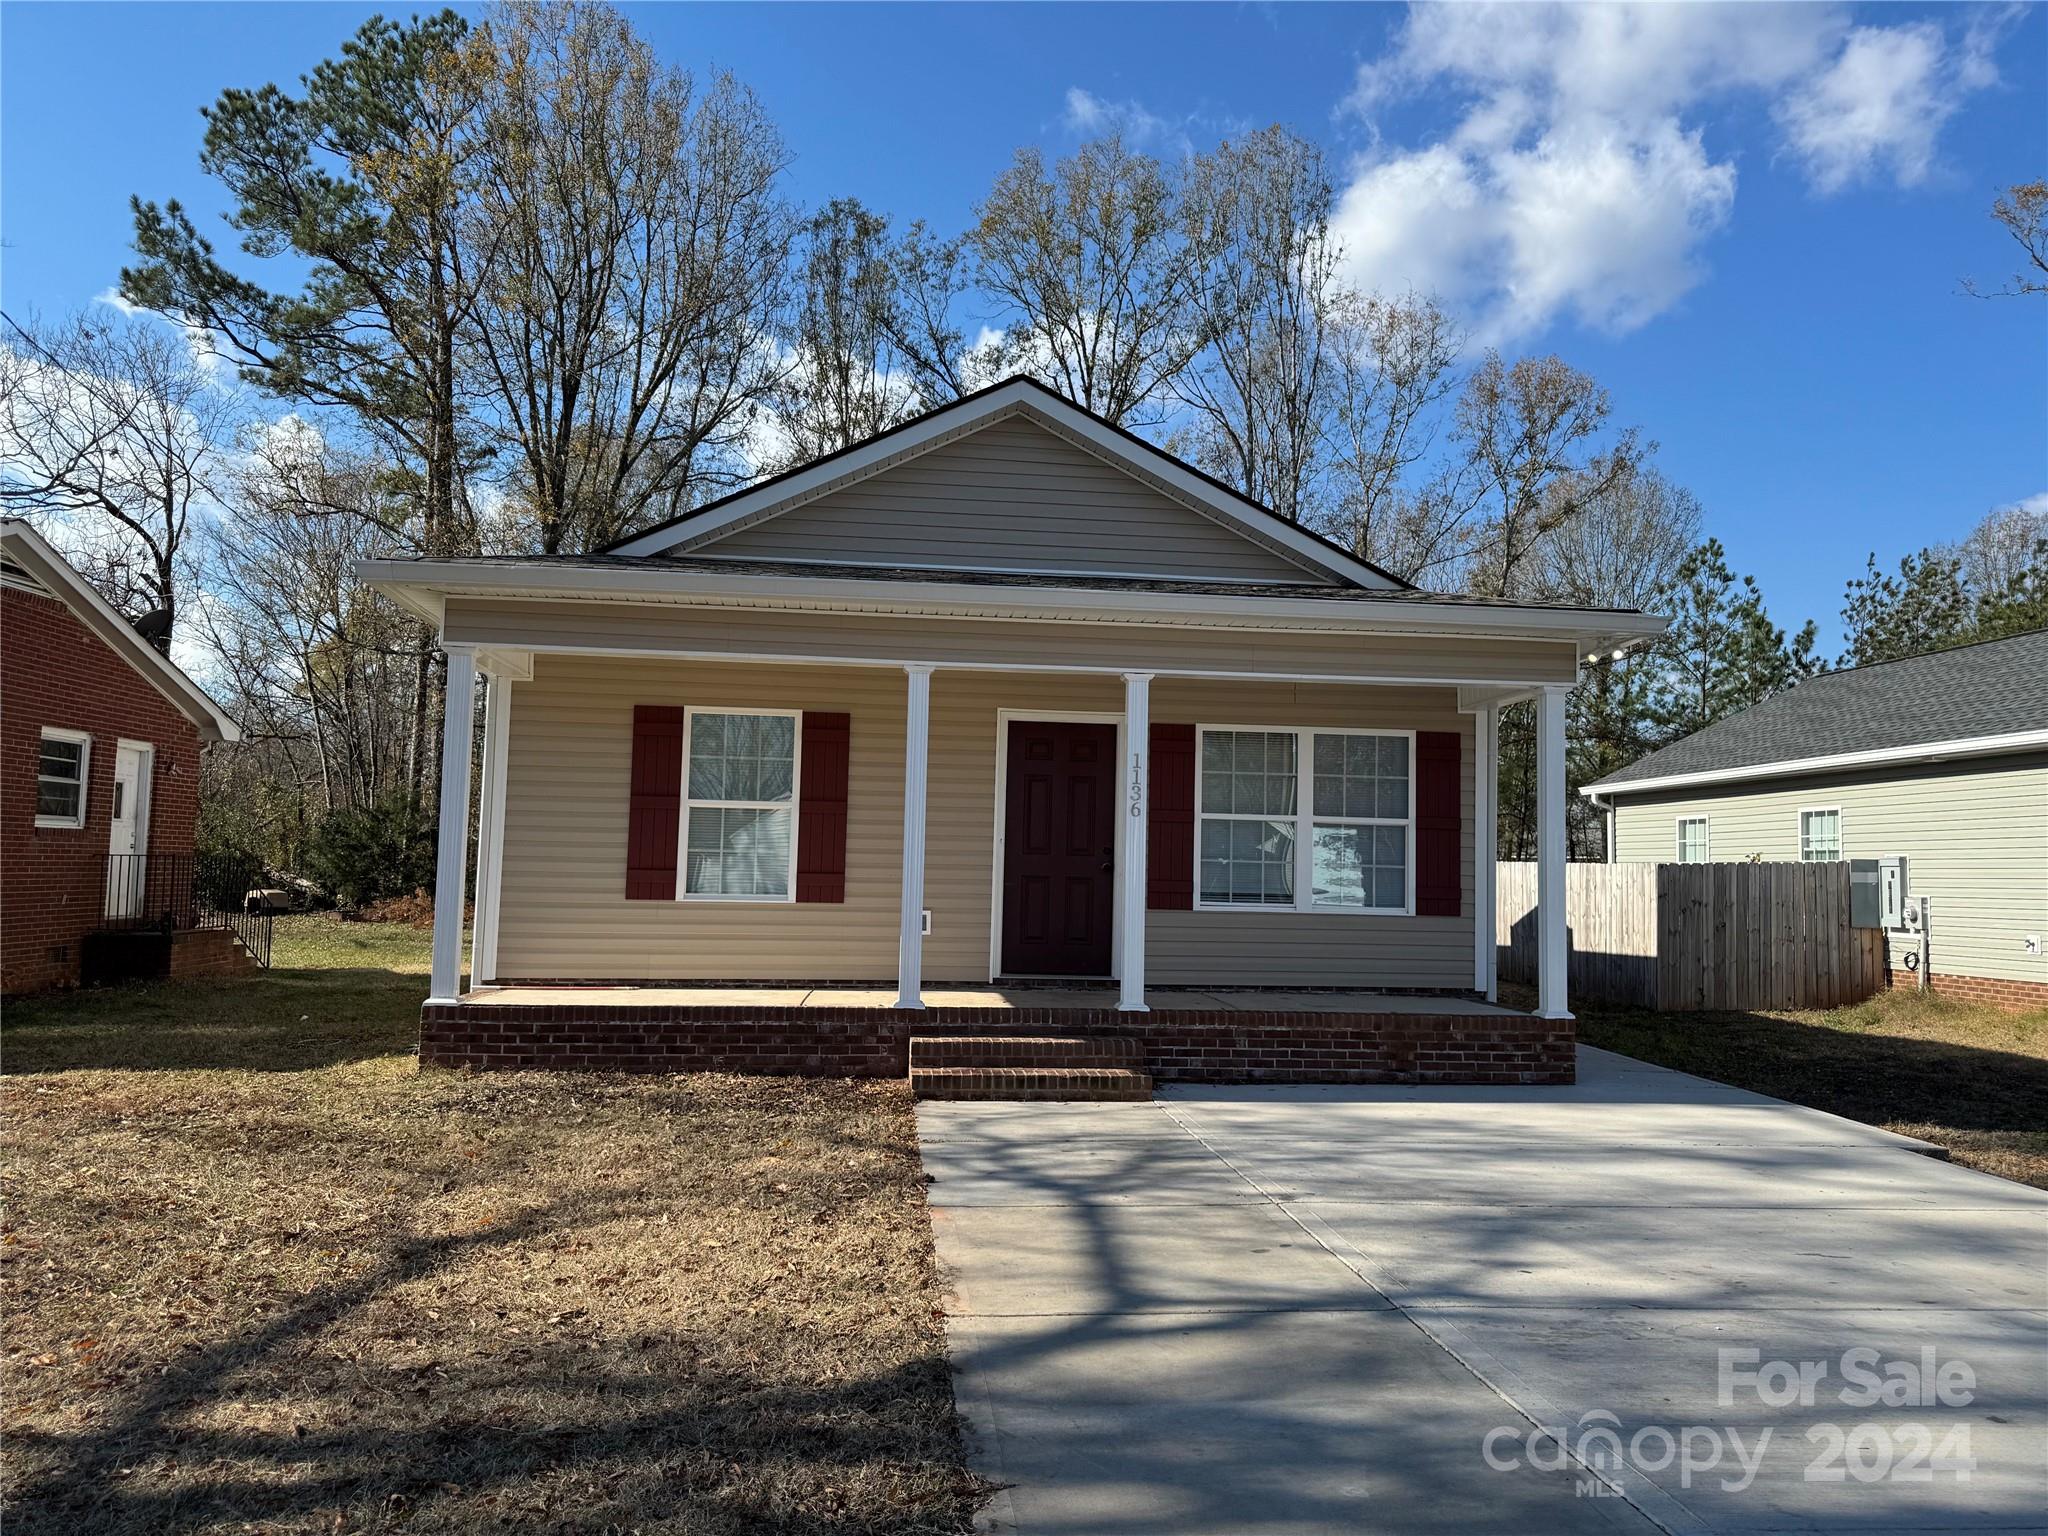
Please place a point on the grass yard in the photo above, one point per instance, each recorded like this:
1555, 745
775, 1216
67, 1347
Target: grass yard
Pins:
1969, 1078
262, 1274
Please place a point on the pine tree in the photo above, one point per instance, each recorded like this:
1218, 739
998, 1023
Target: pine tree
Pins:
1923, 608
1722, 653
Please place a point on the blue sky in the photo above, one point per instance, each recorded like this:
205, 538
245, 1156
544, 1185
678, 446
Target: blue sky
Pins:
1751, 224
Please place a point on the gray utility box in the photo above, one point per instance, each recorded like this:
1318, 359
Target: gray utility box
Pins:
1878, 893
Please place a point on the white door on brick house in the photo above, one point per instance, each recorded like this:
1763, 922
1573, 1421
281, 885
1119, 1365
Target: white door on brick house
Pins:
128, 834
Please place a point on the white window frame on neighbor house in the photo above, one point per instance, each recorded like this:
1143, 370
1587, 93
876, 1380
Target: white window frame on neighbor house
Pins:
793, 805
1706, 835
83, 741
1305, 822
1841, 839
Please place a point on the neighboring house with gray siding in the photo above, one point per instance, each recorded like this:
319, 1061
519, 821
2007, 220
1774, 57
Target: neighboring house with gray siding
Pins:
1002, 696
1941, 759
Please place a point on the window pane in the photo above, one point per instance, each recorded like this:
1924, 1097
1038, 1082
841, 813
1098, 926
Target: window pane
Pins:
1692, 841
737, 852
58, 772
1250, 773
1361, 776
1361, 867
1820, 835
54, 797
742, 757
1247, 863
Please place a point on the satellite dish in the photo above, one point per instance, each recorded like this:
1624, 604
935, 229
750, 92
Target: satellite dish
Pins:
155, 627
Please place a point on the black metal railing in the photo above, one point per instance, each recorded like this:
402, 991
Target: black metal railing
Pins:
169, 892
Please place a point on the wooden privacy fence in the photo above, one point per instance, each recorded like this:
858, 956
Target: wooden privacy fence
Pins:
1699, 936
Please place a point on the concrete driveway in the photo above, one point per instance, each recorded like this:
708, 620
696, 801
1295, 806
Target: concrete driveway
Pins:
1268, 1310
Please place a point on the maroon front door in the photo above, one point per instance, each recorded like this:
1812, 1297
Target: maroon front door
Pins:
1059, 848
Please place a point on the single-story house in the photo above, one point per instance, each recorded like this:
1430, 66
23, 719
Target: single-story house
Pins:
1940, 759
1003, 717
100, 733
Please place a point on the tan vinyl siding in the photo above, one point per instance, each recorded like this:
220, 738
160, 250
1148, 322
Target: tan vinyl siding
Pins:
1975, 830
1013, 497
1316, 949
564, 914
791, 634
563, 908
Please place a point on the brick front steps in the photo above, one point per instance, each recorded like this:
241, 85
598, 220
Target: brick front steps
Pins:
1087, 1068
208, 952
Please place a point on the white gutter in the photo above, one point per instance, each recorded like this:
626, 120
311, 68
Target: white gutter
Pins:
1924, 752
421, 584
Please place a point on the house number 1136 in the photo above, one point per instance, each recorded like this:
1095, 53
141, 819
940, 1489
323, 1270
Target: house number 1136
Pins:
1137, 786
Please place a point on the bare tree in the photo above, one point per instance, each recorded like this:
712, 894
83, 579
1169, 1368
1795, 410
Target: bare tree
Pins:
111, 428
1392, 363
1257, 213
2022, 211
847, 379
637, 247
931, 281
1095, 282
322, 672
1530, 433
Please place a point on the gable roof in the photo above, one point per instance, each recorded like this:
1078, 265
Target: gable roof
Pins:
29, 553
1970, 700
1019, 395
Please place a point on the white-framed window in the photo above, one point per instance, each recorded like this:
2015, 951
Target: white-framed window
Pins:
1820, 835
1298, 819
1692, 839
61, 777
739, 804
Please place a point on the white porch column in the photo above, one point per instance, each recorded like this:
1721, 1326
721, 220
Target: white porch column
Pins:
1137, 814
451, 860
917, 732
1485, 846
490, 827
1551, 932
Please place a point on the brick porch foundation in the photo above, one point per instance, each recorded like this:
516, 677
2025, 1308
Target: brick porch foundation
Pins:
1179, 1045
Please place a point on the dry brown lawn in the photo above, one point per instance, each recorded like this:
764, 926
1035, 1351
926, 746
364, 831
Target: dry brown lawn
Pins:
261, 1274
1969, 1078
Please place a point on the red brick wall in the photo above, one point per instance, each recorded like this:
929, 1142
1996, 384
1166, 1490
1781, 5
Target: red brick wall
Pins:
56, 672
1180, 1045
1996, 991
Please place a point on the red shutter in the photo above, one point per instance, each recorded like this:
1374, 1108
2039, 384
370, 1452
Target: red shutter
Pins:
821, 811
1170, 839
1439, 883
654, 817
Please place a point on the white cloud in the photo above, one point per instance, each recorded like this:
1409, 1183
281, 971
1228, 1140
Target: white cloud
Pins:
199, 341
1877, 108
113, 298
1088, 116
1577, 180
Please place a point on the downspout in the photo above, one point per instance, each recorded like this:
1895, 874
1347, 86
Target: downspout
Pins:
1607, 816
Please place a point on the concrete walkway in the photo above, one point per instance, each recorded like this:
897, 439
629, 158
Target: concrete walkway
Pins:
1292, 1310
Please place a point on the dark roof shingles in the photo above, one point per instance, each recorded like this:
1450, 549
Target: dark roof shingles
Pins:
1993, 688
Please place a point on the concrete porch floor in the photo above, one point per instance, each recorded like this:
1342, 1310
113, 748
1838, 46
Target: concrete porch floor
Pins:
1076, 998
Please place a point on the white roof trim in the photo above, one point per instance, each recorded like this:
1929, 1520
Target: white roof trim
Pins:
67, 586
424, 585
1921, 752
948, 423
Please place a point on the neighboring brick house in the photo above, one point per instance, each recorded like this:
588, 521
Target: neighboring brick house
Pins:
86, 705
